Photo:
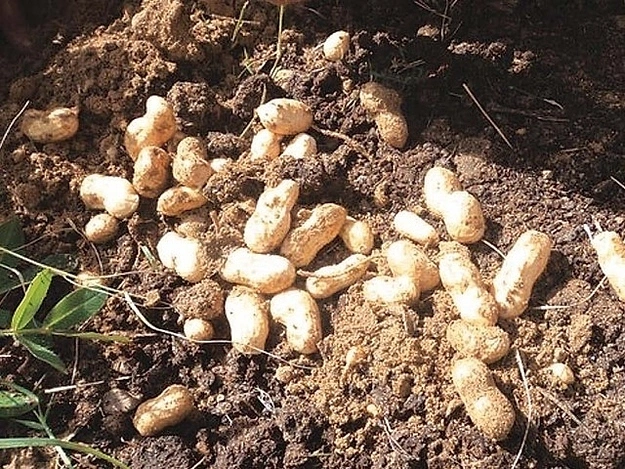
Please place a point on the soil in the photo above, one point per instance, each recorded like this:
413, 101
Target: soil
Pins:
549, 74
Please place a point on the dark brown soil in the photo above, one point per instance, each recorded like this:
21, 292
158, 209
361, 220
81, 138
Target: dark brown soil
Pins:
551, 75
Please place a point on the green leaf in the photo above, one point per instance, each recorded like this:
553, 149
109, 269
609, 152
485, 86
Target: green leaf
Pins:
74, 309
41, 352
28, 307
5, 318
31, 424
16, 401
11, 238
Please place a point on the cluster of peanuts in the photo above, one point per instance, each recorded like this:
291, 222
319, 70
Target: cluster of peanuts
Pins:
280, 240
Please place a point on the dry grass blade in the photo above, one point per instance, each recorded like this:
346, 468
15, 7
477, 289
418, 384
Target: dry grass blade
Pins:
488, 118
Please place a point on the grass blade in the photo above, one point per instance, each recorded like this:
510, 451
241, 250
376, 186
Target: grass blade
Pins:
41, 352
74, 309
32, 300
12, 443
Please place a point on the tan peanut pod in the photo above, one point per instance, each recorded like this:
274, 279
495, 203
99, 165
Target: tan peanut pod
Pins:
489, 409
326, 281
437, 184
299, 313
357, 236
561, 374
101, 228
302, 244
611, 254
266, 228
114, 194
248, 315
512, 286
415, 228
285, 116
462, 280
266, 273
151, 173
301, 147
177, 200
463, 217
486, 343
204, 300
154, 128
336, 46
169, 408
186, 256
266, 145
392, 127
198, 329
376, 98
54, 125
406, 259
190, 166
391, 290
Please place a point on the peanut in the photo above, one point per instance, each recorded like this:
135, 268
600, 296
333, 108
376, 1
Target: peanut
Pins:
154, 128
326, 281
151, 173
285, 116
299, 313
248, 315
54, 125
486, 343
266, 273
169, 408
406, 259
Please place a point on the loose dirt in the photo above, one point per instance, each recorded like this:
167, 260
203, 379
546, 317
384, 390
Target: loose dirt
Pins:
550, 74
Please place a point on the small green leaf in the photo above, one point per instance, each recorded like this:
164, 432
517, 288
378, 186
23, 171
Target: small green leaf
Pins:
74, 309
28, 307
11, 238
16, 401
5, 318
41, 352
31, 424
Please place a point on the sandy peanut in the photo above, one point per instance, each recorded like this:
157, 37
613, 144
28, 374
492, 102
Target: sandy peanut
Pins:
184, 255
463, 217
489, 409
336, 46
266, 145
300, 147
415, 228
407, 259
266, 273
391, 290
176, 200
392, 127
561, 374
285, 116
326, 281
462, 280
194, 223
266, 228
154, 128
376, 98
151, 173
54, 125
190, 166
248, 315
299, 313
203, 300
611, 254
512, 286
357, 236
384, 105
114, 194
101, 228
438, 183
169, 408
302, 243
198, 329
486, 343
